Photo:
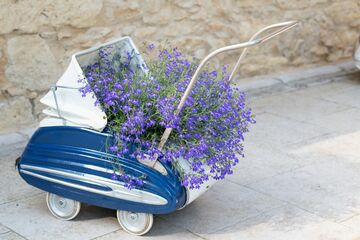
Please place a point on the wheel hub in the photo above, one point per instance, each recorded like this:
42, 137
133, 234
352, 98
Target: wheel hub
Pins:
133, 216
62, 203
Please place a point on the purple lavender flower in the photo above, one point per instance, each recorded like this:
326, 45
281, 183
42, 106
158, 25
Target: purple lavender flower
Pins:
114, 176
114, 148
151, 46
208, 133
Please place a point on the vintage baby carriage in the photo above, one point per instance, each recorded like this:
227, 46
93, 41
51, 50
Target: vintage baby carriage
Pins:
67, 155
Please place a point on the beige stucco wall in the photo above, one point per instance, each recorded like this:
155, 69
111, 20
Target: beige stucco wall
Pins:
37, 37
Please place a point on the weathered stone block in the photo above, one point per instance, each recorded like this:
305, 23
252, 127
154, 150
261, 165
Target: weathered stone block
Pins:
90, 36
31, 64
80, 13
28, 16
20, 15
344, 12
15, 113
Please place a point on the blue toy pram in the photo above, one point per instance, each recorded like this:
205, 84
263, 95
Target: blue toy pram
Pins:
67, 155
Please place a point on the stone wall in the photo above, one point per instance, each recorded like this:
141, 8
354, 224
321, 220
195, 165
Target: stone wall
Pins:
37, 37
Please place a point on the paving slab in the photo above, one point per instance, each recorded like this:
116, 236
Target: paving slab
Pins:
340, 123
162, 229
12, 186
223, 205
326, 72
285, 223
11, 236
3, 229
298, 106
33, 221
342, 147
262, 161
348, 97
348, 67
279, 132
326, 90
352, 222
329, 188
257, 83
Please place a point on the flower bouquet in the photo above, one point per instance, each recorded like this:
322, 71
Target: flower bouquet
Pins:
140, 102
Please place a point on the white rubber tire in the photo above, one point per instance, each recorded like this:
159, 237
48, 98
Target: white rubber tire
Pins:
62, 208
135, 223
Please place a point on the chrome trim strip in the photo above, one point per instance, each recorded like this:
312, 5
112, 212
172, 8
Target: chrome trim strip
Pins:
118, 191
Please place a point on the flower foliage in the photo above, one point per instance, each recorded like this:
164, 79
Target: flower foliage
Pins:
140, 102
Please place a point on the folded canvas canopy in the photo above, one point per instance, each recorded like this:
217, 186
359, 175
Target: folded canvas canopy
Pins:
65, 103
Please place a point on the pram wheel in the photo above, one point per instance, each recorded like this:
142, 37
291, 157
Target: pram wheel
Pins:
135, 223
62, 208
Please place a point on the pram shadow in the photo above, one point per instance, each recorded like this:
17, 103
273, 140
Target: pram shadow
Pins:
89, 212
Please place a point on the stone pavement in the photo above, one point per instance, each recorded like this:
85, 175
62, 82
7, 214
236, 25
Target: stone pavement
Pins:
300, 178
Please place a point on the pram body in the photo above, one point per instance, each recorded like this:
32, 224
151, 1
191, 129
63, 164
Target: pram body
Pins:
73, 162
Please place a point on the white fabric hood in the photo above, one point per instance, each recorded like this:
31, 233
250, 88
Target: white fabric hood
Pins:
72, 109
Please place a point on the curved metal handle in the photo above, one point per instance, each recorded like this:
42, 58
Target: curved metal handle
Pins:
284, 26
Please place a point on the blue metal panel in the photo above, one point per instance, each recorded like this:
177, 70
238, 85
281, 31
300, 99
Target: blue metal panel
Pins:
73, 162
